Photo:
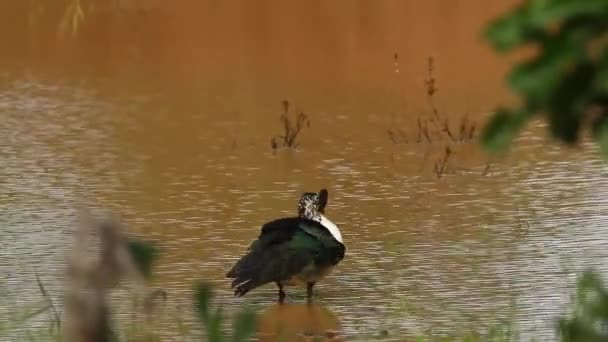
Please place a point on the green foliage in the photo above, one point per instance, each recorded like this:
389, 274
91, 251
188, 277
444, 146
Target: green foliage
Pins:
589, 321
244, 323
143, 254
244, 326
567, 80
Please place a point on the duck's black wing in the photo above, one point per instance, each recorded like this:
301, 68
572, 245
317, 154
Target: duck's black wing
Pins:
282, 250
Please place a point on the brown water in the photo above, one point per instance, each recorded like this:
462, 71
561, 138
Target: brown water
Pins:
167, 120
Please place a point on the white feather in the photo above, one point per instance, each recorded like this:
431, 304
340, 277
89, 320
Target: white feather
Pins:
333, 229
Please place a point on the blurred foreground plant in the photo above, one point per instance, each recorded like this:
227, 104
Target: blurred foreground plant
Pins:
92, 275
566, 80
244, 323
589, 321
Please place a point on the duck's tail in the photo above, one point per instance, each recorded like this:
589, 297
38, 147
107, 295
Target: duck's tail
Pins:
249, 273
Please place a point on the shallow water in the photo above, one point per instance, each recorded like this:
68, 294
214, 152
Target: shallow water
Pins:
182, 151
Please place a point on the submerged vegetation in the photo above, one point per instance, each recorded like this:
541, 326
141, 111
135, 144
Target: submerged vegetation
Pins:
434, 128
291, 129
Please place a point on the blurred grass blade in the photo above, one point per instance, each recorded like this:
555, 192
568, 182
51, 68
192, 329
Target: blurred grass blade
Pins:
214, 326
144, 254
202, 299
244, 326
211, 321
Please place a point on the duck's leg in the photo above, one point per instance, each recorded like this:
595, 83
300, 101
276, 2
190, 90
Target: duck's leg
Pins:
309, 287
281, 293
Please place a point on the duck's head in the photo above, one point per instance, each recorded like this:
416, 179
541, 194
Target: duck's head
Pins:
311, 205
323, 195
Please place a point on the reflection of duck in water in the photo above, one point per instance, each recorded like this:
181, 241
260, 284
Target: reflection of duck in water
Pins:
298, 322
291, 251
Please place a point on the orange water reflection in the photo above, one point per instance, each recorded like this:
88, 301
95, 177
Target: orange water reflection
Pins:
298, 322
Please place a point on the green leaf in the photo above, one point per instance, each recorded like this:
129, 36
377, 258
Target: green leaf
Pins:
517, 28
528, 22
502, 128
214, 326
600, 133
590, 315
202, 301
212, 321
244, 326
144, 254
567, 77
510, 31
569, 100
537, 79
602, 72
544, 12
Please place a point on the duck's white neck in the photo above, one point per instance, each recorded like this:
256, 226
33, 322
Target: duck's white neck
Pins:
333, 229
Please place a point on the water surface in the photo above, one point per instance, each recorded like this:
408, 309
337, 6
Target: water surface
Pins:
179, 144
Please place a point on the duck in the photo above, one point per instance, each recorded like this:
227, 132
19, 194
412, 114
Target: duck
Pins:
291, 251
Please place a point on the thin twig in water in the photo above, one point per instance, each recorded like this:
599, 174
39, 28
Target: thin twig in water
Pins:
441, 166
463, 134
397, 136
433, 128
291, 131
446, 129
150, 300
424, 159
392, 137
56, 321
425, 131
486, 170
431, 86
471, 131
